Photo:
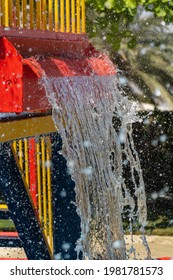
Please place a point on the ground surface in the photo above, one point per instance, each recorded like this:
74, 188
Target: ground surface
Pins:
160, 246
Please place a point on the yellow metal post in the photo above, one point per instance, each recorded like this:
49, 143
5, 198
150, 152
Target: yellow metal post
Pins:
67, 15
14, 145
10, 13
0, 13
56, 8
17, 13
78, 15
73, 29
62, 15
83, 17
58, 15
4, 11
20, 154
49, 190
44, 185
24, 14
38, 14
31, 13
38, 159
50, 14
26, 162
44, 15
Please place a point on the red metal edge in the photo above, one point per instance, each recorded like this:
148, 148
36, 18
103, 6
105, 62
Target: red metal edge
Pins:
48, 43
34, 33
9, 234
165, 258
32, 171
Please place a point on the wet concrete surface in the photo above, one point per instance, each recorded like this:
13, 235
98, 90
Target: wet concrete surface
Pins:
160, 246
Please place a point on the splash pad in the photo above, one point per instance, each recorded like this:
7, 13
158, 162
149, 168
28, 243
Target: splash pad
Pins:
43, 70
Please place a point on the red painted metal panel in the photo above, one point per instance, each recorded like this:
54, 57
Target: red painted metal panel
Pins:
10, 78
56, 55
48, 43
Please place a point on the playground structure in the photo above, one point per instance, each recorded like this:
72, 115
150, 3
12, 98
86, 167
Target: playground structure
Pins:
39, 38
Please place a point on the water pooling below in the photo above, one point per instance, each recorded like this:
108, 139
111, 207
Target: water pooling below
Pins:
83, 110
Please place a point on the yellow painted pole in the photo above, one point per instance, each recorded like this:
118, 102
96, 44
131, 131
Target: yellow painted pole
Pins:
78, 15
17, 13
44, 185
1, 13
38, 14
26, 162
50, 14
67, 15
24, 13
83, 17
10, 13
5, 13
73, 20
39, 181
14, 145
31, 13
62, 15
20, 154
56, 11
44, 15
49, 189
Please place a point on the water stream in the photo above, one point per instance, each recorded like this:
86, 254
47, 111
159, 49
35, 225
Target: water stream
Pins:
84, 109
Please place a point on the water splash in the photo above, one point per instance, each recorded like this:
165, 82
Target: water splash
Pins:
84, 109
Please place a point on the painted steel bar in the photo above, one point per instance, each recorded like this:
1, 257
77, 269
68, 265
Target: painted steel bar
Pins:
4, 11
83, 17
26, 162
24, 14
31, 13
14, 145
50, 14
20, 207
17, 13
38, 14
20, 154
23, 128
3, 206
67, 15
44, 186
56, 11
49, 191
36, 157
78, 16
44, 15
10, 13
73, 19
32, 171
38, 161
62, 15
58, 15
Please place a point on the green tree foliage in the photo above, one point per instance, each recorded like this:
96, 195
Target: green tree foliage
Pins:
148, 66
110, 18
140, 47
